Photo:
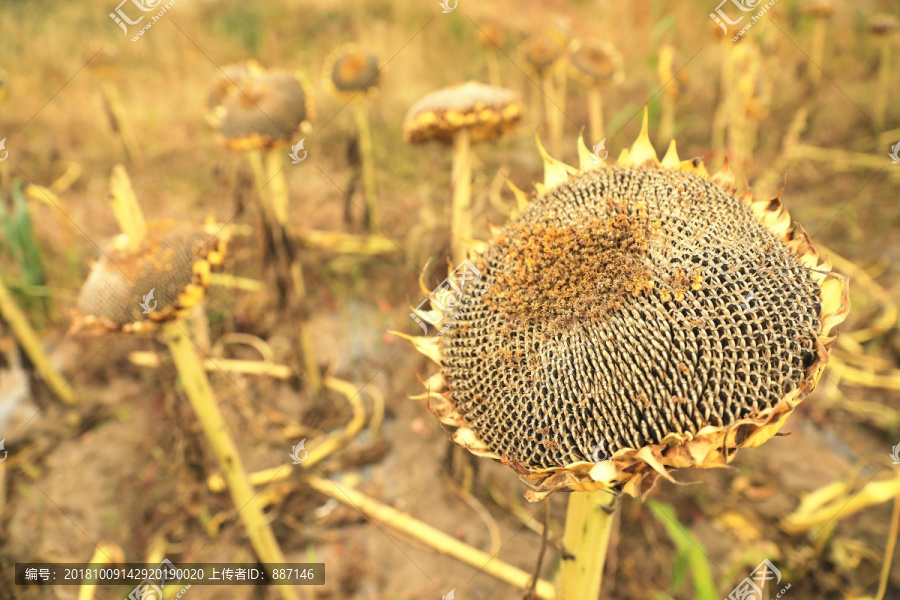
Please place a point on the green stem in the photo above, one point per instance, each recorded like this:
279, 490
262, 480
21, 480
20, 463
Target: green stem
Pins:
366, 151
196, 386
462, 193
588, 525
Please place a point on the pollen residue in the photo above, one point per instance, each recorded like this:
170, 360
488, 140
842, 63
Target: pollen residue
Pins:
552, 272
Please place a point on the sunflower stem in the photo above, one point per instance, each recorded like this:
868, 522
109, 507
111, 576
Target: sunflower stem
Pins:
666, 119
562, 88
126, 208
368, 164
305, 336
586, 539
422, 532
550, 99
881, 91
818, 50
196, 387
493, 68
282, 235
13, 316
116, 112
278, 185
462, 193
595, 114
261, 183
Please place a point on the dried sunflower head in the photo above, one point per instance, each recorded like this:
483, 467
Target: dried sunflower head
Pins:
544, 52
596, 64
629, 321
492, 36
882, 25
252, 108
488, 111
351, 73
819, 9
132, 290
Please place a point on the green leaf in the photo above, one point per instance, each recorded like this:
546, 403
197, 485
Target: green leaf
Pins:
704, 587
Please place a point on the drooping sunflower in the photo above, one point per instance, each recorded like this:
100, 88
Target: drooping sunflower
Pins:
628, 321
133, 288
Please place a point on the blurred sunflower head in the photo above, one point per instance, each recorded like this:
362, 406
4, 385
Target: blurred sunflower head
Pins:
351, 73
135, 289
488, 111
631, 320
596, 64
252, 108
544, 52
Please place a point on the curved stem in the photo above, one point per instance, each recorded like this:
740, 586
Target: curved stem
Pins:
366, 152
196, 387
462, 193
588, 525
